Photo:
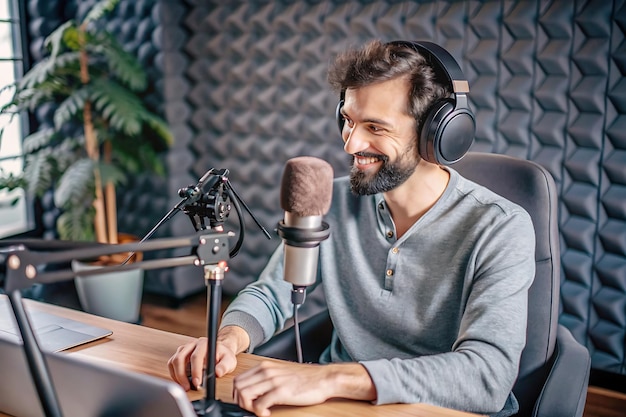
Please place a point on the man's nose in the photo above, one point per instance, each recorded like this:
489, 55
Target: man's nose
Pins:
354, 140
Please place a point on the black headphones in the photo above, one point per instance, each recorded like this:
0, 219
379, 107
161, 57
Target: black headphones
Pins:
447, 131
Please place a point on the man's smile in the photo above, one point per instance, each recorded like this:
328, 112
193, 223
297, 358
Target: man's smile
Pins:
364, 162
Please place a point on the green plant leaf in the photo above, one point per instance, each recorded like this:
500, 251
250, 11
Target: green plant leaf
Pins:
119, 105
99, 10
11, 182
54, 42
8, 107
112, 173
38, 171
39, 139
76, 223
71, 38
71, 107
32, 99
66, 153
160, 127
52, 74
124, 66
75, 187
40, 71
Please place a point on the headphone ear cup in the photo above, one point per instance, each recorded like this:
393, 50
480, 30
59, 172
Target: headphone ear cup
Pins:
446, 134
339, 117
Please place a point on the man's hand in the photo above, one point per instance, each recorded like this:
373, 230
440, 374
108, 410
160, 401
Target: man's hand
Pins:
190, 359
285, 383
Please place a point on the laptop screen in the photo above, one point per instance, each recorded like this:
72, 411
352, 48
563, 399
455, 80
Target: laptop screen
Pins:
85, 388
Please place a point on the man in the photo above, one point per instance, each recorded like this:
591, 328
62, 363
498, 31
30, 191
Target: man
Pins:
425, 273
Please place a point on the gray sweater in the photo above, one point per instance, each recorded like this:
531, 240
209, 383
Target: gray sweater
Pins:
437, 316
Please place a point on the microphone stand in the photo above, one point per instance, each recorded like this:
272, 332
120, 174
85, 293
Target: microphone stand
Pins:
209, 405
216, 205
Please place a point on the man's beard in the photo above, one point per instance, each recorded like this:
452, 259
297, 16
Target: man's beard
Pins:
389, 176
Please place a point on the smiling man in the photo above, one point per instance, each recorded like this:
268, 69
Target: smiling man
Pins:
381, 135
425, 273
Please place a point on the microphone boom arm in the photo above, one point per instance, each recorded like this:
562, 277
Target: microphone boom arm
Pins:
25, 268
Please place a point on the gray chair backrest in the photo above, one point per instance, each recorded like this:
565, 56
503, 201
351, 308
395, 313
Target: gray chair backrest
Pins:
532, 187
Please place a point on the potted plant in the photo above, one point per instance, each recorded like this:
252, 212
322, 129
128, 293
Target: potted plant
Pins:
101, 131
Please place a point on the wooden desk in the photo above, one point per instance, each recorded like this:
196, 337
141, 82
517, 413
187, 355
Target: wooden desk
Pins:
145, 350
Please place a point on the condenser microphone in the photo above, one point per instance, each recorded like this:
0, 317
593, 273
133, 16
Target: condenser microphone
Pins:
305, 195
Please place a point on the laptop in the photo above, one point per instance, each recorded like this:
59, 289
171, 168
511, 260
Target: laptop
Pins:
86, 388
54, 333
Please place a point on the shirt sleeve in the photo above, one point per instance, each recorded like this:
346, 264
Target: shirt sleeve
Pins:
263, 307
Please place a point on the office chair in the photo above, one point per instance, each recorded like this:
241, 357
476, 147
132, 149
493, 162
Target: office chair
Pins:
554, 367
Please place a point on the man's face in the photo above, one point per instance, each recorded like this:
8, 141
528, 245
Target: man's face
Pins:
380, 135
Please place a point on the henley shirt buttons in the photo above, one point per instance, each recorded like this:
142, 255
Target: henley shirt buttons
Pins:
389, 280
390, 234
395, 250
381, 206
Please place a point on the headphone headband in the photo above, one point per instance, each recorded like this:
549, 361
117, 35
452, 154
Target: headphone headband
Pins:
444, 60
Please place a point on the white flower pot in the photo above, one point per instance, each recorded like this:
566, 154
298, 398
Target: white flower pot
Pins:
116, 295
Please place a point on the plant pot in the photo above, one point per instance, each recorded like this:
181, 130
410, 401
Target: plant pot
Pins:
116, 295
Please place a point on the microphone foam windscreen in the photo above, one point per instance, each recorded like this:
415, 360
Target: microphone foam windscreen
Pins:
307, 186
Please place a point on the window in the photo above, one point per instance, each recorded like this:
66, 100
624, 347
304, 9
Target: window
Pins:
14, 218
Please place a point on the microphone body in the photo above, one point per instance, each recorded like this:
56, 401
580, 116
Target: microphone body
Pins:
306, 192
300, 267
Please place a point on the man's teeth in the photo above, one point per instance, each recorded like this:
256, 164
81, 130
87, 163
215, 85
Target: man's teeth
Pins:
364, 161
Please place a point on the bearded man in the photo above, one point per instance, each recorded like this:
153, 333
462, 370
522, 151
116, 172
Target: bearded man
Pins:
425, 273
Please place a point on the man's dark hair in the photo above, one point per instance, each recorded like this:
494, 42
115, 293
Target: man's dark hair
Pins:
376, 62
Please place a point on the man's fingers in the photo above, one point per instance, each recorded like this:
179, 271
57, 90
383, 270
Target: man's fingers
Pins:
186, 366
261, 387
225, 361
277, 383
197, 359
188, 360
177, 365
256, 397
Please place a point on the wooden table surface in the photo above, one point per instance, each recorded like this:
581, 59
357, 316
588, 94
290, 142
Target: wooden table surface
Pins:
146, 350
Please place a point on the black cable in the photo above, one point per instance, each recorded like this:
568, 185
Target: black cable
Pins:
235, 200
296, 327
165, 218
298, 295
230, 188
